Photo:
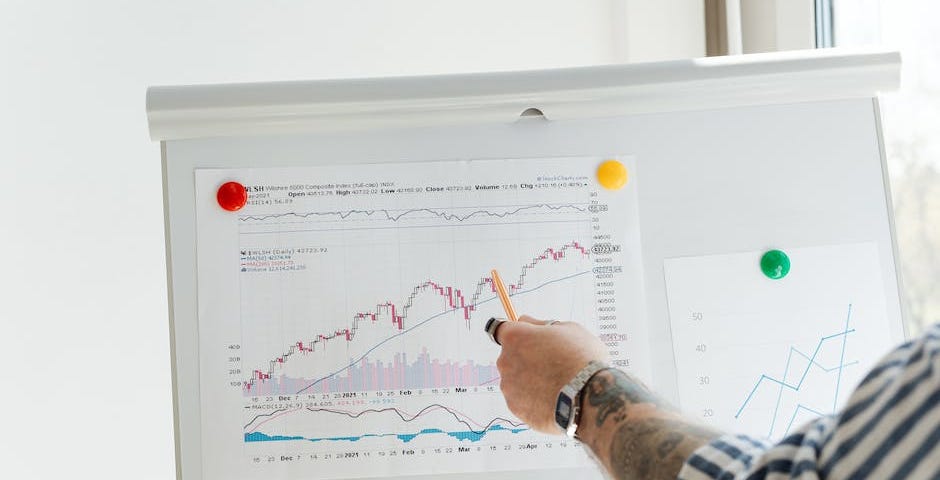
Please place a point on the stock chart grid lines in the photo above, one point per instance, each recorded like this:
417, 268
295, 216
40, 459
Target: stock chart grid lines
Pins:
356, 298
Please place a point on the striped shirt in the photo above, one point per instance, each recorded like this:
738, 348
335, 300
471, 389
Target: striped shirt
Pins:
889, 429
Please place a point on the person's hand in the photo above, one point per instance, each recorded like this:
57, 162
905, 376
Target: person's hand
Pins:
539, 359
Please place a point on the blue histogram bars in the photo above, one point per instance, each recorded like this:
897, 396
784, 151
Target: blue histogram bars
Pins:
782, 382
471, 436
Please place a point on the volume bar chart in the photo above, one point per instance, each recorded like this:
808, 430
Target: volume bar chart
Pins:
367, 375
394, 318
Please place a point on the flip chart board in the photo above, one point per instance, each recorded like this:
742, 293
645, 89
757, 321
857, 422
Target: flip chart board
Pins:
328, 244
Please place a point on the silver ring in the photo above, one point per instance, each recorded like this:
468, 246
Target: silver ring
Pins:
491, 326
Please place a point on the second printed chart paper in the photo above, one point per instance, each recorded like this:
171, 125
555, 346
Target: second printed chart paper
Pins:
762, 356
341, 311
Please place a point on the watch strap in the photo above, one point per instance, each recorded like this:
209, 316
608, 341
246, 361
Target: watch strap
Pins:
572, 392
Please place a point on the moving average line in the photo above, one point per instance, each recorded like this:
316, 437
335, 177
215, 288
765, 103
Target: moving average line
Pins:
456, 300
522, 292
403, 415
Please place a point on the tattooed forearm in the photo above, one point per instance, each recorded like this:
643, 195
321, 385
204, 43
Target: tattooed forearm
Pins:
632, 431
611, 391
653, 448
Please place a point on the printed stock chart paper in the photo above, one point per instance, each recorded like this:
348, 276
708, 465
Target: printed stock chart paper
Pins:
341, 311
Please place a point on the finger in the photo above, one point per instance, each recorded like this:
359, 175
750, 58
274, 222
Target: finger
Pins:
532, 320
507, 331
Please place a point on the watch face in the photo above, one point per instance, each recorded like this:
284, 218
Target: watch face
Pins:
563, 411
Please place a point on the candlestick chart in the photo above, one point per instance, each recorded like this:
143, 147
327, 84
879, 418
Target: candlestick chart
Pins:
356, 330
425, 372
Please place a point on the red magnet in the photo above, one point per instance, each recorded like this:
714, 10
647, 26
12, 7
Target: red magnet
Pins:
232, 196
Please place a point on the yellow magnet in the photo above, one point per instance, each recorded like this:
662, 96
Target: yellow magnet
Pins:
612, 175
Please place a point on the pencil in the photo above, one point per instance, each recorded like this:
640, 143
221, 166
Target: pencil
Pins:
503, 295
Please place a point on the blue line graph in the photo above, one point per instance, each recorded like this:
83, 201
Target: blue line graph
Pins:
842, 358
782, 383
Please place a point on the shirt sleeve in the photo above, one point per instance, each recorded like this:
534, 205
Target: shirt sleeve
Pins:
890, 428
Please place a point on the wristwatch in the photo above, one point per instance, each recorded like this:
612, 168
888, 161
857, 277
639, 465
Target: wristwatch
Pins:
568, 408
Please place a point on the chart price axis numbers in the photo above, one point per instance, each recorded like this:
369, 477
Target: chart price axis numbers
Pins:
607, 268
234, 365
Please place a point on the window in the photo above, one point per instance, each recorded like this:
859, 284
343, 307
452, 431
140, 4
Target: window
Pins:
911, 121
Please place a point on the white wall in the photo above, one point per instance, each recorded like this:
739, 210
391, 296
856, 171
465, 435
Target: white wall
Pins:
84, 347
645, 30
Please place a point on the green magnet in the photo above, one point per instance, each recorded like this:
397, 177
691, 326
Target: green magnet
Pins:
775, 264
